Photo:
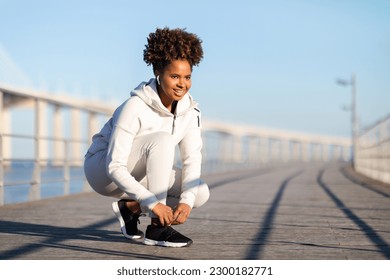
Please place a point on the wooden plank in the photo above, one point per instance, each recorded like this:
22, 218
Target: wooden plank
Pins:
300, 211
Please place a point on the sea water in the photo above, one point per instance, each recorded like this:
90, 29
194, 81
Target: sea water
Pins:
19, 176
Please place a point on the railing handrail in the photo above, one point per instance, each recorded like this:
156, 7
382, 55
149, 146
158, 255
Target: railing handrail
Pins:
65, 101
374, 125
373, 151
62, 159
258, 131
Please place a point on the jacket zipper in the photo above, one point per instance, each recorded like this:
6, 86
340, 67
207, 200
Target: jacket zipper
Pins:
173, 124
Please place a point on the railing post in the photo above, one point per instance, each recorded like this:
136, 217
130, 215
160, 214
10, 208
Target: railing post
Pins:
92, 126
1, 151
296, 151
58, 145
275, 150
346, 153
237, 148
66, 144
383, 151
254, 150
323, 152
76, 150
285, 150
264, 149
35, 192
226, 152
314, 152
305, 151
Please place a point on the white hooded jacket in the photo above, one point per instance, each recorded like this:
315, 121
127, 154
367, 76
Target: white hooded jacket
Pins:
143, 113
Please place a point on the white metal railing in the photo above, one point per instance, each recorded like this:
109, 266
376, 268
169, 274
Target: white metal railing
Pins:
255, 145
38, 164
226, 146
373, 151
44, 154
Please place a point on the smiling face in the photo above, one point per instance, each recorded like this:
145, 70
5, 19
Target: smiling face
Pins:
175, 81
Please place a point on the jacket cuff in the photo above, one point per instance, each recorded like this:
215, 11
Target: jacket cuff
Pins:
188, 198
148, 200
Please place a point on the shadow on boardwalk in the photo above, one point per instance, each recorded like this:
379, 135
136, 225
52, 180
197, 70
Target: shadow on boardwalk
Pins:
365, 228
289, 211
55, 238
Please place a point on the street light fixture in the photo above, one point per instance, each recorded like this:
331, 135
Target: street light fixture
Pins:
352, 83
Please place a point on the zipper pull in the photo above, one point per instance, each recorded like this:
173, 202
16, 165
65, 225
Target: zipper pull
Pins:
173, 124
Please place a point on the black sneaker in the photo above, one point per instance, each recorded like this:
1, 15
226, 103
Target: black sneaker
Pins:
127, 219
165, 236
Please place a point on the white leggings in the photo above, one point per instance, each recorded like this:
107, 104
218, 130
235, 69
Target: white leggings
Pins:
151, 164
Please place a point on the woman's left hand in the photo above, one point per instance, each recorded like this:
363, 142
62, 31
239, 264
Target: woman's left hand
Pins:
181, 213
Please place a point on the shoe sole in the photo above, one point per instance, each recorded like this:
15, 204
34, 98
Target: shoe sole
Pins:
117, 212
152, 242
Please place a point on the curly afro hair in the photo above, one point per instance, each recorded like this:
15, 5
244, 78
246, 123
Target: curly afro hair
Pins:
166, 45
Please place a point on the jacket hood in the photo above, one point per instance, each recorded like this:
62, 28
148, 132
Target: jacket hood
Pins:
147, 92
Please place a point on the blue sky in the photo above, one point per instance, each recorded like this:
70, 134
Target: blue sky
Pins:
267, 63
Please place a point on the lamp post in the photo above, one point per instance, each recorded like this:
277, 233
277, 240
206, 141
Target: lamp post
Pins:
352, 83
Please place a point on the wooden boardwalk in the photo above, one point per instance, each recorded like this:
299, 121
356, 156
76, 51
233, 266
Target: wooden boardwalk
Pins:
284, 212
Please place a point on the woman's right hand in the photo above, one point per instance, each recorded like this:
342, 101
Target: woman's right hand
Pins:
164, 214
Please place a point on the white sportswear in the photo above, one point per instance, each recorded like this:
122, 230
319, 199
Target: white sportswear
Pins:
132, 156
